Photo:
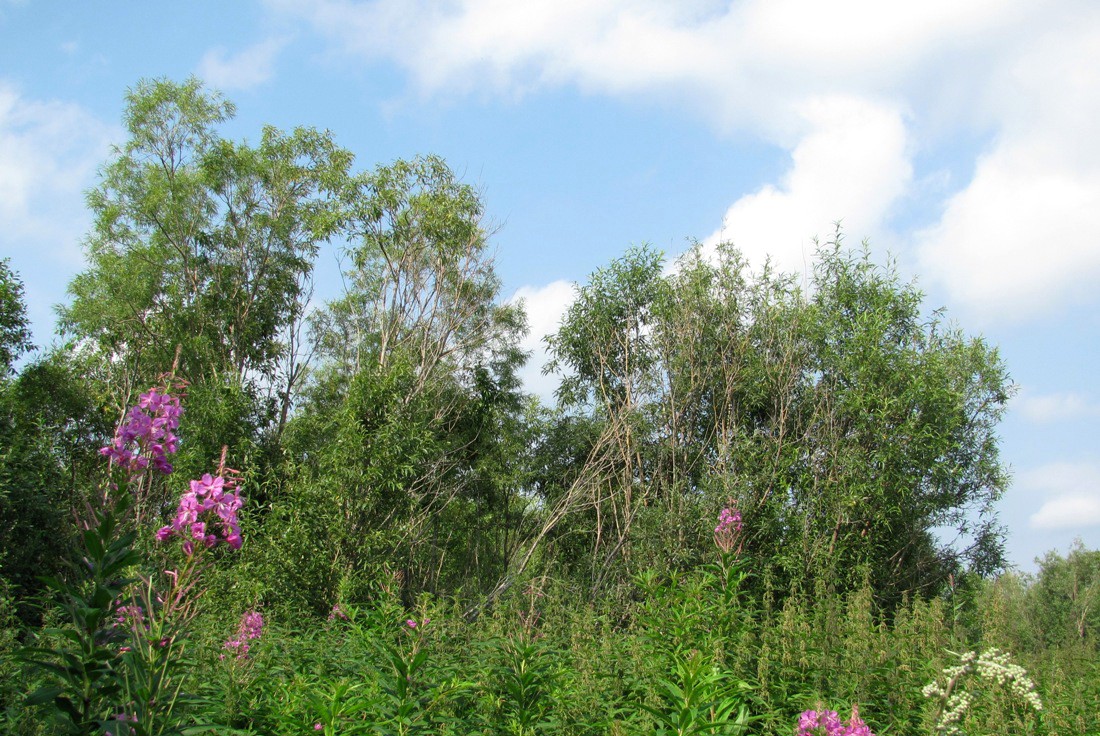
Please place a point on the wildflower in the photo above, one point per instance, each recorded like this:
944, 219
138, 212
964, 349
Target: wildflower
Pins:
124, 719
856, 726
147, 436
992, 664
727, 535
133, 616
337, 612
411, 624
827, 723
317, 726
250, 629
210, 504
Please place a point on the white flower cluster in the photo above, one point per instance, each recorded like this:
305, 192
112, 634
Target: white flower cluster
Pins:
997, 665
953, 712
994, 665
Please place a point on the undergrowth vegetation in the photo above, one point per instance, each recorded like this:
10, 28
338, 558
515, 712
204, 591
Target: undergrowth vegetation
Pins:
225, 508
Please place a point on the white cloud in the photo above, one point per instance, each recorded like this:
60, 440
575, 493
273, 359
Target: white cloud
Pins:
1070, 495
49, 151
1019, 241
853, 165
1071, 511
545, 306
1016, 241
1056, 407
247, 68
752, 62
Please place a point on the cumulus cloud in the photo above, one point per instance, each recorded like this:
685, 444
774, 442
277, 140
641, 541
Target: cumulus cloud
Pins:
545, 306
751, 62
1056, 407
49, 151
1013, 241
1019, 240
1071, 511
245, 69
1070, 495
852, 164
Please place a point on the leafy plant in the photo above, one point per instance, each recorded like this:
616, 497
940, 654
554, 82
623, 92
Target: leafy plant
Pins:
700, 699
86, 669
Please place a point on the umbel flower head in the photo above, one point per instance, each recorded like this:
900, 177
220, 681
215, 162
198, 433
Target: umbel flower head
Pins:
207, 514
993, 665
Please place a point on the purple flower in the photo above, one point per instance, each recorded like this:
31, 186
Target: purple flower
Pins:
252, 624
727, 535
146, 437
827, 723
250, 628
209, 507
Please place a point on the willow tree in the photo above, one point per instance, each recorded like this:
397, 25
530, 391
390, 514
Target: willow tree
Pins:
852, 429
202, 248
415, 403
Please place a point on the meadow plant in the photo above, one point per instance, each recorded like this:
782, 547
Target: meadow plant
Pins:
827, 723
250, 629
144, 440
727, 535
209, 507
700, 698
523, 671
410, 698
148, 434
690, 625
153, 674
117, 668
83, 665
731, 568
955, 701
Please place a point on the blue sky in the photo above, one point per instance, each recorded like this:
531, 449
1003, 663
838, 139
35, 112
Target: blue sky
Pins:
959, 137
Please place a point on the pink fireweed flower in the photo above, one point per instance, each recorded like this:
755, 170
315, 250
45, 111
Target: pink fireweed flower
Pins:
133, 616
727, 535
411, 624
207, 509
250, 629
827, 723
147, 436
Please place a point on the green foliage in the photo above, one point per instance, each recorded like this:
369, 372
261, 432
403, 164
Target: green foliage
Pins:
698, 700
15, 334
39, 475
1066, 597
86, 669
407, 431
565, 557
48, 418
199, 263
200, 242
847, 424
524, 679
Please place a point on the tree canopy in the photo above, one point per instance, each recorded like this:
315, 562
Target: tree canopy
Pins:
853, 431
387, 427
